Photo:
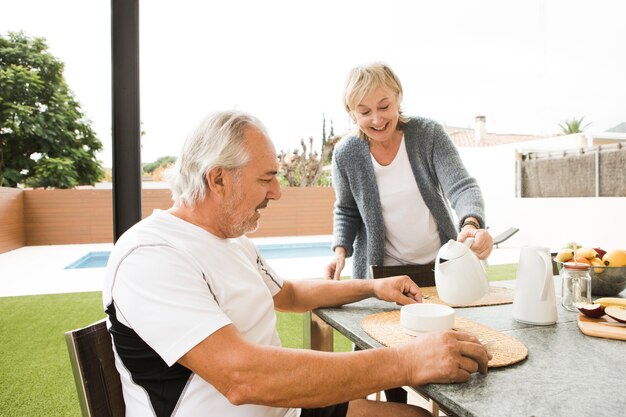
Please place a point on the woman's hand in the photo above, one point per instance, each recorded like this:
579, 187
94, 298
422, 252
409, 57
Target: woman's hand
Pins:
334, 268
483, 241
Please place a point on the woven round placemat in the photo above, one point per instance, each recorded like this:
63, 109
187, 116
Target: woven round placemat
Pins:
495, 296
386, 329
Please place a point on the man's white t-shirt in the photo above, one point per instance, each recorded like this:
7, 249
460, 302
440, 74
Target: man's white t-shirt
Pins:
411, 234
169, 285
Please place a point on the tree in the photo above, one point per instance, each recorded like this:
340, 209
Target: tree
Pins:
162, 162
53, 172
329, 155
305, 170
573, 125
323, 130
45, 140
329, 158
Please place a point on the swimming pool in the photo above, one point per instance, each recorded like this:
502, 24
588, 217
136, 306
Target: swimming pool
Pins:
91, 260
269, 251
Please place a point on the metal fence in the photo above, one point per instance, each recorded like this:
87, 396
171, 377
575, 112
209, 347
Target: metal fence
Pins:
598, 171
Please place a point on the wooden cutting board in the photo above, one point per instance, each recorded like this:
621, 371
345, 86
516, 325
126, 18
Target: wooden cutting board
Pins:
594, 327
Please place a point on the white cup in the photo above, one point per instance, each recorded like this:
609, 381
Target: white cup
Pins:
420, 318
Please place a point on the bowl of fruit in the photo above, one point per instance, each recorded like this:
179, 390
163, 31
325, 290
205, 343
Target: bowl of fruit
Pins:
607, 268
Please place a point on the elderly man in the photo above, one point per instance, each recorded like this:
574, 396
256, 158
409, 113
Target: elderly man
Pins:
191, 303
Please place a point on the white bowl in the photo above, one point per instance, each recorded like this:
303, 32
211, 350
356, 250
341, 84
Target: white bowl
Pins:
420, 318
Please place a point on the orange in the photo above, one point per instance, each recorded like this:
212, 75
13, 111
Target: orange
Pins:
616, 257
582, 260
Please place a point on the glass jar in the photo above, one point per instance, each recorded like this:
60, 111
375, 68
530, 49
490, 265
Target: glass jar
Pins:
575, 285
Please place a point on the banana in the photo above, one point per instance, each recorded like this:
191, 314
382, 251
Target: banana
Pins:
596, 262
611, 301
564, 255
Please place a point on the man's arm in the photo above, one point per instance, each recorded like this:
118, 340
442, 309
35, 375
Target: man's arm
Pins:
252, 374
305, 295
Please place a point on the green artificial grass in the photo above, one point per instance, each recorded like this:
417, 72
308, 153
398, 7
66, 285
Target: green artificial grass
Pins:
36, 378
291, 333
35, 374
501, 272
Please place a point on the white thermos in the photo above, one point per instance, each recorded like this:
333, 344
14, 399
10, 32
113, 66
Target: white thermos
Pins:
534, 301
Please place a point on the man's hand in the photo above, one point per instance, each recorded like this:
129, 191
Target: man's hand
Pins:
483, 242
399, 289
334, 268
443, 357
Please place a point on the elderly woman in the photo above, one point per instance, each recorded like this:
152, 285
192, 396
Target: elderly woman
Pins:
393, 179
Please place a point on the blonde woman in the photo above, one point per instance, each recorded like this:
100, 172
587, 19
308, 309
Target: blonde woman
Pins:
393, 178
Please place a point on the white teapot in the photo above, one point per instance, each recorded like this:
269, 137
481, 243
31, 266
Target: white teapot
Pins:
459, 275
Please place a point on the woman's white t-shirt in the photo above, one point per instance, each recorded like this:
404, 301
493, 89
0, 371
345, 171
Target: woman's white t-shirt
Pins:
411, 235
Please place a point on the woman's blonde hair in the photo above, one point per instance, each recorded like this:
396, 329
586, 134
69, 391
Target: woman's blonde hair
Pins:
364, 79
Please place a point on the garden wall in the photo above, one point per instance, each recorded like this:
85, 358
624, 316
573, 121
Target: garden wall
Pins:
11, 219
53, 217
585, 172
550, 222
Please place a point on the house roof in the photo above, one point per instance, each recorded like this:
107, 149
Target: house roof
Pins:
620, 128
465, 138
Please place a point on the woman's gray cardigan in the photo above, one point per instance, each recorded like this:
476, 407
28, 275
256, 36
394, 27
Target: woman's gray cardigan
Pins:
439, 173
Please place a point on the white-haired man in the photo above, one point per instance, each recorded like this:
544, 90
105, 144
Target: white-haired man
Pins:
191, 303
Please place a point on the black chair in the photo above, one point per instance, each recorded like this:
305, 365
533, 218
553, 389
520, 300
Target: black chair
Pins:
555, 266
422, 275
97, 381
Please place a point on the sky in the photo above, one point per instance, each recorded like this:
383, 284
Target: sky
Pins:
526, 65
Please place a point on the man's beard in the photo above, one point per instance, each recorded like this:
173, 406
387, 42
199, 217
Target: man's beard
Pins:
237, 225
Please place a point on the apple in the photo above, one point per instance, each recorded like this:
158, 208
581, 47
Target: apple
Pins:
590, 310
616, 312
571, 245
600, 252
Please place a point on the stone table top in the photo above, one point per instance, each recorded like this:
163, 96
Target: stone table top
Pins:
566, 373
